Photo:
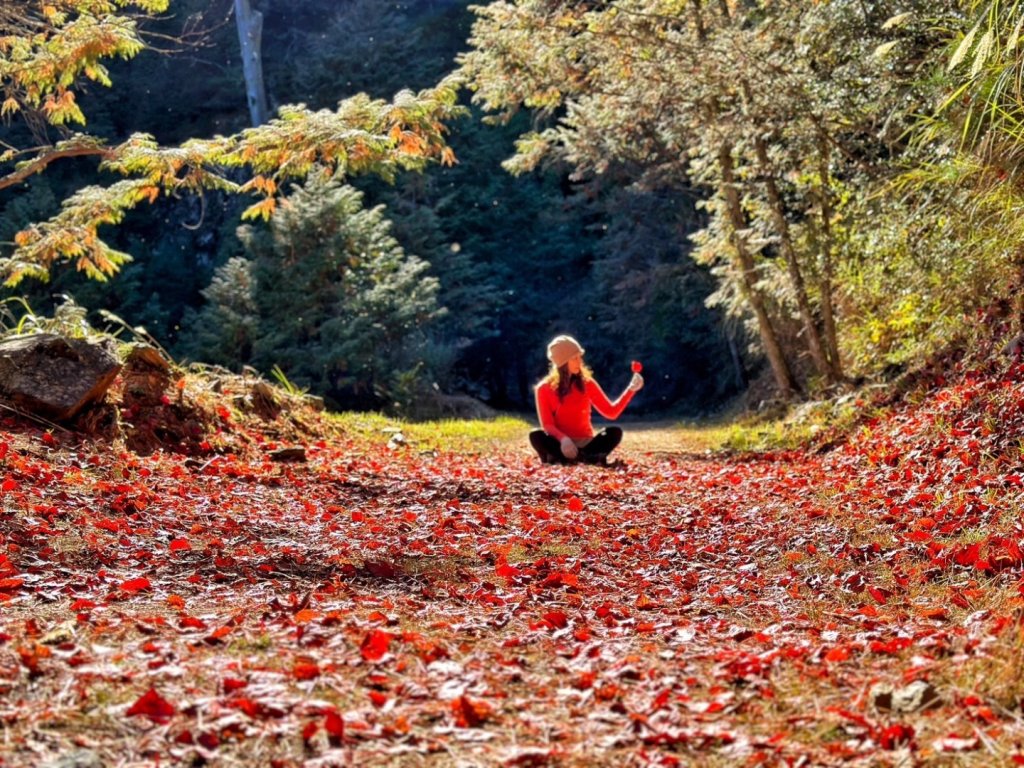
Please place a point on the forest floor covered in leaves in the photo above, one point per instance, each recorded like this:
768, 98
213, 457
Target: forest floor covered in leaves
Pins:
856, 604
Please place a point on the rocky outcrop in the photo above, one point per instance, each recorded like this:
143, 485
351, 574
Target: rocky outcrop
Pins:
53, 376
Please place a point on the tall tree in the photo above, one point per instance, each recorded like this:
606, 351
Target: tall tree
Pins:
250, 38
735, 96
628, 76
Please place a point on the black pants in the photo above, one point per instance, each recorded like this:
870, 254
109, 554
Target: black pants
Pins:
594, 452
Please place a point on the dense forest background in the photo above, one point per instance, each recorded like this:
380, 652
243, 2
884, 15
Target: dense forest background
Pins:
777, 198
516, 259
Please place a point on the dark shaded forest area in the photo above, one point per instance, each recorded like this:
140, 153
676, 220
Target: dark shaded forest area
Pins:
494, 265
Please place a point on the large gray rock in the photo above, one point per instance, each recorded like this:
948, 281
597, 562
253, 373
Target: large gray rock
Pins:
54, 376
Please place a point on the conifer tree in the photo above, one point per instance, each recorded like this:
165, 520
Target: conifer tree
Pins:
329, 296
225, 329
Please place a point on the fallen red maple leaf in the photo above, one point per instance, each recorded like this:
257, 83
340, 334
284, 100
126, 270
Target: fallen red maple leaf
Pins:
218, 634
135, 585
233, 684
841, 653
560, 578
895, 735
305, 670
335, 727
309, 731
154, 706
471, 713
879, 594
507, 571
375, 645
557, 619
253, 709
30, 658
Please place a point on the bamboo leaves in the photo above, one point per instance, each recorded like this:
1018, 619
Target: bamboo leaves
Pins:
987, 100
964, 48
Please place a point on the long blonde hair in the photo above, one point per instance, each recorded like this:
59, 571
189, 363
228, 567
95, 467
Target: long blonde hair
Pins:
560, 380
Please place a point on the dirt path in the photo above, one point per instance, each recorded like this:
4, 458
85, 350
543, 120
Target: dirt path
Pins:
411, 607
661, 439
665, 439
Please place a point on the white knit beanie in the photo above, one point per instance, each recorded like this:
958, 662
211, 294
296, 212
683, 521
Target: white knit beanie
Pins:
562, 349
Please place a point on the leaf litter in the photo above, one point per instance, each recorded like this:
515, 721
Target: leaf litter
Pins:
389, 606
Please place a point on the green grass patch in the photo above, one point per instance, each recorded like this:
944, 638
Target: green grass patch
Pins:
729, 431
521, 554
795, 427
459, 435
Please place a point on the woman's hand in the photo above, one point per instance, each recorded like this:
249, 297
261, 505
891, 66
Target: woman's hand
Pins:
636, 383
569, 449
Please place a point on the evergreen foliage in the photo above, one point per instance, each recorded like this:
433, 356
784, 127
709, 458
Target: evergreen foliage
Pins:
326, 294
46, 47
227, 326
37, 72
515, 257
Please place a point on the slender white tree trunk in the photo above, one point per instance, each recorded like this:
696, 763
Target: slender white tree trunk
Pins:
250, 36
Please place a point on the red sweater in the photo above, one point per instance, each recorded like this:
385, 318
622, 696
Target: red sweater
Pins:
571, 416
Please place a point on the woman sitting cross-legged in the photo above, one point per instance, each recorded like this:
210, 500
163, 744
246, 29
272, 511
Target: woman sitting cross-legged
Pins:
564, 401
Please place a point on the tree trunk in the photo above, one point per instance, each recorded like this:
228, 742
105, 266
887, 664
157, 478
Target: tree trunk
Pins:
743, 261
250, 37
769, 339
698, 20
737, 361
828, 314
814, 343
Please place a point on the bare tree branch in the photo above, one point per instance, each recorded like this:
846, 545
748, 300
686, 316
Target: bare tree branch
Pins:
48, 156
